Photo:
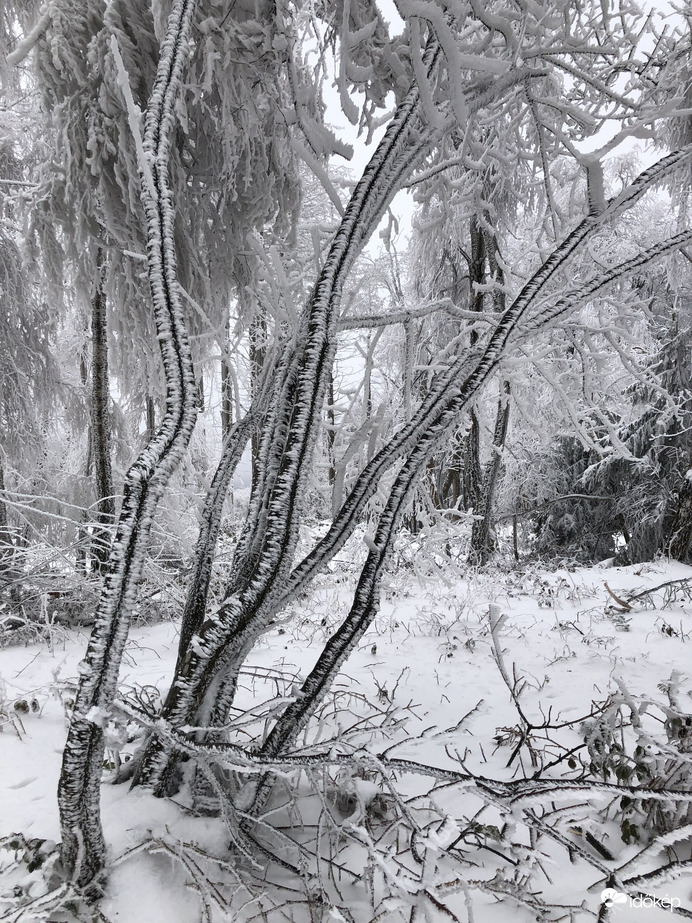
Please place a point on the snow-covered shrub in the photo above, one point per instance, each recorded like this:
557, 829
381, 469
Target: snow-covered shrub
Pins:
635, 742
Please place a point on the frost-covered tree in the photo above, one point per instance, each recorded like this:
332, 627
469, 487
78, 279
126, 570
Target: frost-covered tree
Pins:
449, 75
263, 577
30, 385
614, 387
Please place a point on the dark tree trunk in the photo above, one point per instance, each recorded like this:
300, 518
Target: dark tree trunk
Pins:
8, 552
151, 418
83, 538
4, 529
477, 279
83, 848
471, 482
480, 532
331, 436
681, 529
453, 473
258, 353
200, 392
226, 388
100, 424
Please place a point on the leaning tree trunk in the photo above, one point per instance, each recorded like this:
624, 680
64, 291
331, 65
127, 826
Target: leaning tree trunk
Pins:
202, 691
198, 590
204, 687
457, 387
100, 423
83, 848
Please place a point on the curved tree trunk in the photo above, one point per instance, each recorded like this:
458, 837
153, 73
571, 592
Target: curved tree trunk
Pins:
83, 848
204, 688
437, 415
196, 602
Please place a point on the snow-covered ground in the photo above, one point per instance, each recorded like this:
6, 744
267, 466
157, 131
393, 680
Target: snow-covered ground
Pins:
428, 674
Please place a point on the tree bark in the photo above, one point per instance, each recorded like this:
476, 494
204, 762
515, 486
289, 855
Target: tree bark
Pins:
7, 548
471, 480
83, 849
203, 690
477, 279
151, 418
480, 531
681, 529
226, 387
83, 538
196, 602
100, 423
258, 353
331, 438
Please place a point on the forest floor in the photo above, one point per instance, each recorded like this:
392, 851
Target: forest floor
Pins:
425, 684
